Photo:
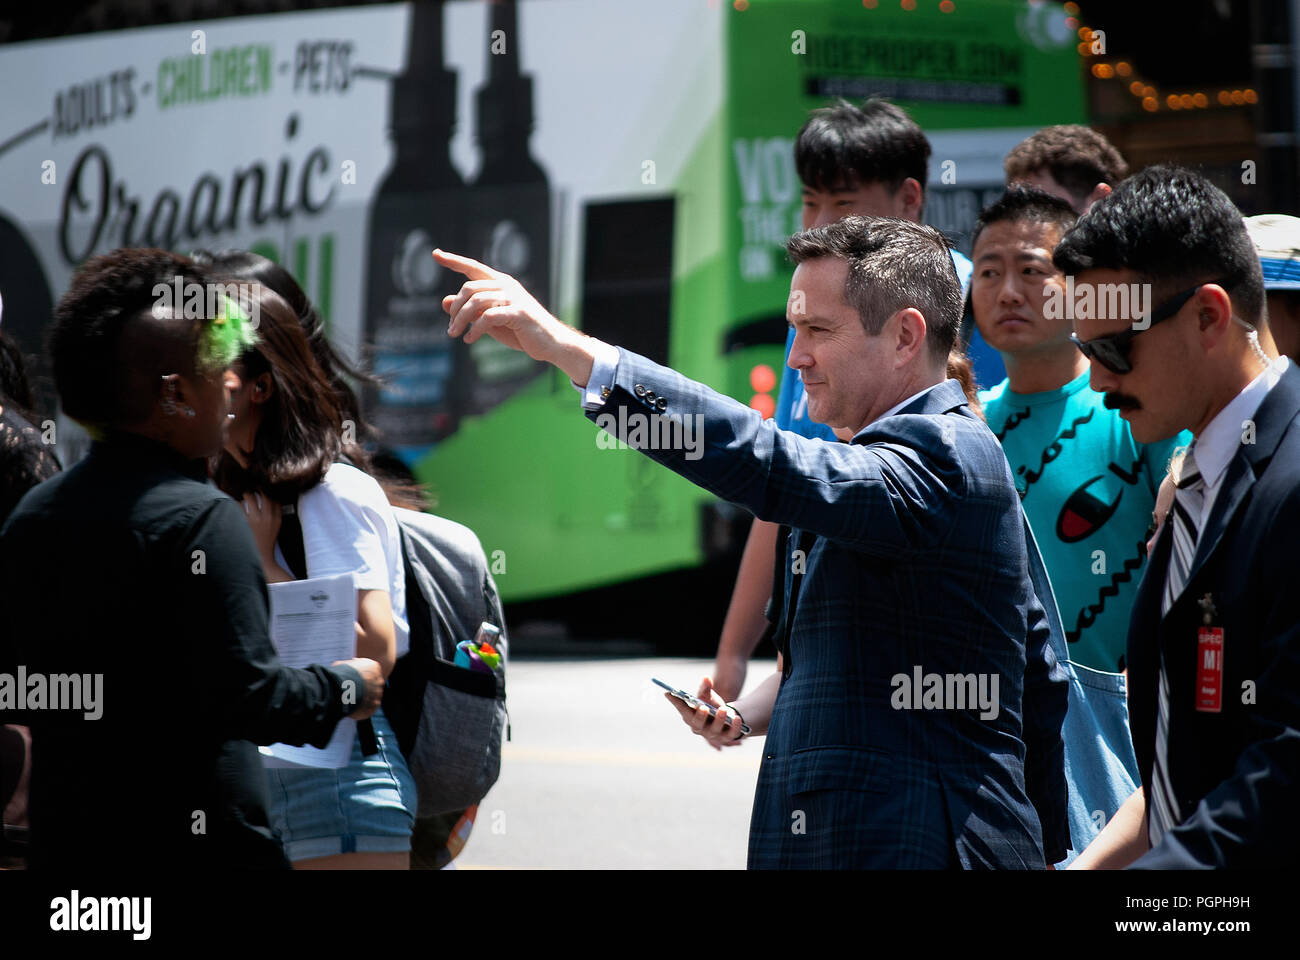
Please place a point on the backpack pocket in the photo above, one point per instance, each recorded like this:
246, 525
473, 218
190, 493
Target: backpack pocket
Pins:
456, 757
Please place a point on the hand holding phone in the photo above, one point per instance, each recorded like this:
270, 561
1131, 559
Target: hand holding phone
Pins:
699, 714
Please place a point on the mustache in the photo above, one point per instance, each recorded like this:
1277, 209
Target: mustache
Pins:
1120, 401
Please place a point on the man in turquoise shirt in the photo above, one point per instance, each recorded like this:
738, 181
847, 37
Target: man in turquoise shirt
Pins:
1087, 486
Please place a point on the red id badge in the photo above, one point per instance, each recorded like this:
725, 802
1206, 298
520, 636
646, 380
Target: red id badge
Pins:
1209, 669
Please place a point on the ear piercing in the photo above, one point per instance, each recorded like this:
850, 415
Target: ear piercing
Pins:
169, 409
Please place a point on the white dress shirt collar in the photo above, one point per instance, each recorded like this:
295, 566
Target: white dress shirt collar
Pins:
1219, 441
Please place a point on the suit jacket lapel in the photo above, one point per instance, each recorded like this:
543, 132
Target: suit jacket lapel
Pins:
941, 398
1232, 492
1151, 588
1275, 414
802, 540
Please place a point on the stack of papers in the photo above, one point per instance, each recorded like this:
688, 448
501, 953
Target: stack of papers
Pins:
314, 621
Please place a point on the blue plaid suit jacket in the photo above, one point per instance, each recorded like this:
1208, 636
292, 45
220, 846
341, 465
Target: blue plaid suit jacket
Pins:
914, 557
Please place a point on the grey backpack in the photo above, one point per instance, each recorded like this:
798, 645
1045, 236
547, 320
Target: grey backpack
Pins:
449, 721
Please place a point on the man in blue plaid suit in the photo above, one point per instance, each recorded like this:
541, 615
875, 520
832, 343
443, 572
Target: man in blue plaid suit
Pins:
894, 733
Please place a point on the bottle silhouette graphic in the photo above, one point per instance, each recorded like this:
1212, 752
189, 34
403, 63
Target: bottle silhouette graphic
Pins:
509, 222
418, 206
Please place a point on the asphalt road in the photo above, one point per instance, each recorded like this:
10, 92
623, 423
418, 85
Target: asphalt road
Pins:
601, 773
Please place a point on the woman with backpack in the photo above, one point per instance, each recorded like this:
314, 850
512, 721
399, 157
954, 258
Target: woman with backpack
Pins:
286, 445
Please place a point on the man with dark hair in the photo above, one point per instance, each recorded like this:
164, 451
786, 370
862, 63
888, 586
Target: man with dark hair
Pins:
1096, 489
1214, 642
906, 568
872, 154
1088, 488
1070, 161
870, 160
134, 577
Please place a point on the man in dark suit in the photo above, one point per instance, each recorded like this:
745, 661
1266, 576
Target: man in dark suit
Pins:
895, 733
1214, 641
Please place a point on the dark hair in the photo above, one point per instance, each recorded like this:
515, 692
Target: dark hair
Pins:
109, 345
1173, 228
401, 490
247, 266
301, 433
893, 264
14, 385
846, 146
1020, 204
1077, 157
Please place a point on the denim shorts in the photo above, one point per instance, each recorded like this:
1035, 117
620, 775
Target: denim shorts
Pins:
366, 807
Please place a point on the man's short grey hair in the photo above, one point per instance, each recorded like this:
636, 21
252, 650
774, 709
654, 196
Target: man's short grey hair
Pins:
893, 264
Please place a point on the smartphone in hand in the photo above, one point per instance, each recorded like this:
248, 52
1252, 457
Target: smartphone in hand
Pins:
694, 702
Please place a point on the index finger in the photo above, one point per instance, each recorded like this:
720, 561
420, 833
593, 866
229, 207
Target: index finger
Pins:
470, 268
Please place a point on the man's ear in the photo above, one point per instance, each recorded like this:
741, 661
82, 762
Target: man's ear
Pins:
179, 389
1213, 314
179, 393
169, 388
910, 198
909, 336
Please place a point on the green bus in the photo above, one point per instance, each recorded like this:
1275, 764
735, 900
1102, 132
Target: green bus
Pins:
632, 163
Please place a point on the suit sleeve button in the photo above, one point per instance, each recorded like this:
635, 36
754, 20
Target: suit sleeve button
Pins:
639, 390
662, 404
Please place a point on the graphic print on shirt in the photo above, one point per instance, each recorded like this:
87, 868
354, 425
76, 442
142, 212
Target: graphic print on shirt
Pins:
1089, 614
1052, 452
1013, 421
1084, 513
1088, 508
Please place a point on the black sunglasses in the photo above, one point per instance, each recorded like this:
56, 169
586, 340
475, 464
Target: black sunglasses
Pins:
1112, 350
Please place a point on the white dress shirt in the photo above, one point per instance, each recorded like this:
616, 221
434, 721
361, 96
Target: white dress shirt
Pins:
1222, 436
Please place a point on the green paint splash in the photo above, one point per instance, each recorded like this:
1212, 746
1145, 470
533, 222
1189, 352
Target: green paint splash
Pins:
228, 335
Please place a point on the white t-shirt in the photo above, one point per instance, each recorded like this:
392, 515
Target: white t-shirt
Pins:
349, 527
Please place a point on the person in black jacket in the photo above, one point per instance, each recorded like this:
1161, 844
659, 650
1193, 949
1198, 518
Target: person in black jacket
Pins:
136, 644
25, 460
1214, 640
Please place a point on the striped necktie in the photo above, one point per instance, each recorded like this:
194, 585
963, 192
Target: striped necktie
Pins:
1184, 519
